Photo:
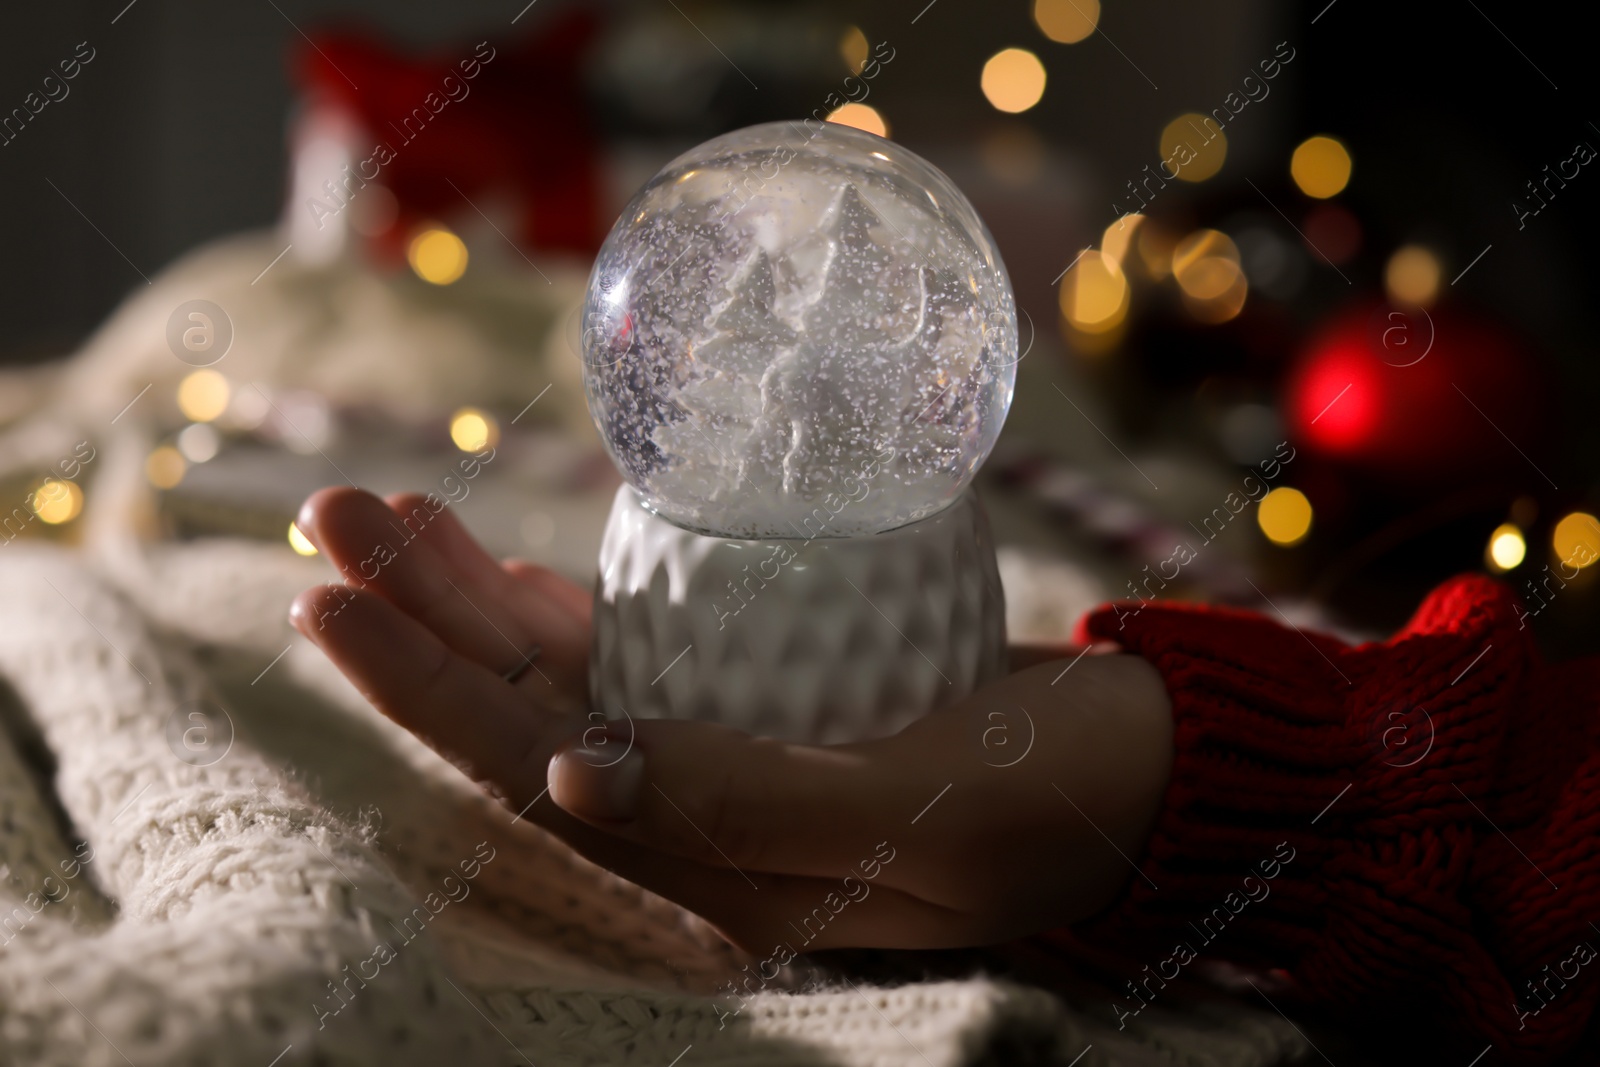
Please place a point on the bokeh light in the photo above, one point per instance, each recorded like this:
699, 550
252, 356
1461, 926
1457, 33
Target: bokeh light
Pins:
1284, 515
199, 442
1333, 233
1412, 276
1205, 265
1066, 21
249, 409
1195, 262
57, 501
1094, 294
1209, 278
165, 467
1576, 539
1337, 406
203, 395
437, 256
473, 430
1507, 547
854, 49
1013, 80
1320, 167
1118, 239
300, 542
861, 117
1193, 150
1232, 289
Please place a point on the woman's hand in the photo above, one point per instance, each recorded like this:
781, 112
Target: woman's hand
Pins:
1018, 809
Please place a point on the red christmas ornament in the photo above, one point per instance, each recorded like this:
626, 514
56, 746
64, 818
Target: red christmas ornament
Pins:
1412, 396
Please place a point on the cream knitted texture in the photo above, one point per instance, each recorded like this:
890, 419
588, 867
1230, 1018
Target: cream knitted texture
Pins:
155, 912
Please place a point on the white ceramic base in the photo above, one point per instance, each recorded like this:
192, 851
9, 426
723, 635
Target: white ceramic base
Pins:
822, 640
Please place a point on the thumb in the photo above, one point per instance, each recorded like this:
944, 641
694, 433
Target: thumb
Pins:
726, 799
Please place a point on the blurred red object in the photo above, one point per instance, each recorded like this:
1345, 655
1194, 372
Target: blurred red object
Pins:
1332, 233
511, 126
1407, 397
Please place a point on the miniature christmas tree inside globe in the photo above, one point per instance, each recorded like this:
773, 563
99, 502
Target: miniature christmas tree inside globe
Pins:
799, 331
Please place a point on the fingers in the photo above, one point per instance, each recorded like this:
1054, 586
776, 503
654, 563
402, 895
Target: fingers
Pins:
552, 610
473, 718
458, 707
426, 565
721, 797
440, 528
467, 714
541, 581
481, 573
375, 548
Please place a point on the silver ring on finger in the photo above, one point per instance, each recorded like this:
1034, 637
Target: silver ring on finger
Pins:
515, 674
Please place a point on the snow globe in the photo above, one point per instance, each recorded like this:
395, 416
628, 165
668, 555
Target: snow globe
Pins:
799, 345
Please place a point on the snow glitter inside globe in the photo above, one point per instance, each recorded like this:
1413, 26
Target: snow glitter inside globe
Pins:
794, 331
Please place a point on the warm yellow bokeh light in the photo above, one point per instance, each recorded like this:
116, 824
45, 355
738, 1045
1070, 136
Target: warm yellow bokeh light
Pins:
165, 467
1320, 167
438, 256
57, 501
1194, 147
853, 49
1094, 294
1209, 277
300, 542
1284, 515
1066, 21
1206, 264
1577, 539
1227, 281
1013, 80
203, 395
473, 431
1506, 547
1200, 244
860, 116
1412, 276
1118, 238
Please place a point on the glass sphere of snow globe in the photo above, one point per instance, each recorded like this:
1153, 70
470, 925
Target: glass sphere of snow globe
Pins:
799, 329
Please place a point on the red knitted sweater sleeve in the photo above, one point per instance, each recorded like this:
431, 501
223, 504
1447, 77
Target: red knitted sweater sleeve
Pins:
1409, 828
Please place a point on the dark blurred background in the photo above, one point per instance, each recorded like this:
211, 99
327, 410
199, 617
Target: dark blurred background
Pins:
1262, 303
